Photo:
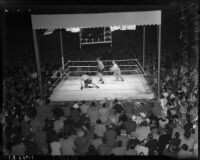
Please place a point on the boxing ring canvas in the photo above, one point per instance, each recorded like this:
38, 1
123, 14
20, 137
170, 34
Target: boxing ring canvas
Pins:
134, 87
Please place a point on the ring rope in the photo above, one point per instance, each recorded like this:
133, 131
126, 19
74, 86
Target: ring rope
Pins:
103, 71
67, 69
140, 67
105, 60
62, 67
97, 66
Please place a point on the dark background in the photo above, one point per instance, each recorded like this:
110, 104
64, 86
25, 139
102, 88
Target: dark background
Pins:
18, 40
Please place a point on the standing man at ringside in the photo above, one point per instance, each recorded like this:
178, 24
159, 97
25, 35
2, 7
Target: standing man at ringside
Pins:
116, 70
100, 69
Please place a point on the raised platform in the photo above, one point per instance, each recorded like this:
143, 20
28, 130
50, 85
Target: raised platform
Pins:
134, 87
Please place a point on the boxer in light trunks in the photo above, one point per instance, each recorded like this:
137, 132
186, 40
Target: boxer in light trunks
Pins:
100, 69
86, 82
116, 70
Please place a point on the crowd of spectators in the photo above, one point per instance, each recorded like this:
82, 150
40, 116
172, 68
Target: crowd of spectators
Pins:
169, 126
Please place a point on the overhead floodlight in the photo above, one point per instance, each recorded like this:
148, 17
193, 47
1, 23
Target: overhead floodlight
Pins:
73, 30
131, 27
48, 32
123, 28
113, 28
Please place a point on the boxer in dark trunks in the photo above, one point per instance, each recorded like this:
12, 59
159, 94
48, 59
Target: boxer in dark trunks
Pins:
100, 69
86, 82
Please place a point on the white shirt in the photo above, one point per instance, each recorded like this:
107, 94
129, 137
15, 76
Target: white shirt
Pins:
55, 148
139, 120
143, 149
142, 132
84, 108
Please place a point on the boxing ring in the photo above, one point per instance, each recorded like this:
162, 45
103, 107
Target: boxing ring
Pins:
67, 82
76, 22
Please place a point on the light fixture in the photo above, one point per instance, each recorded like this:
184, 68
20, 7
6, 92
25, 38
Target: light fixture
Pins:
29, 10
18, 10
48, 32
73, 30
113, 28
6, 10
131, 27
123, 28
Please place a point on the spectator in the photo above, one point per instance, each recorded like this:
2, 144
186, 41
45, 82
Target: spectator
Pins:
163, 140
140, 148
152, 144
92, 151
41, 141
99, 128
82, 142
170, 150
93, 113
119, 150
19, 149
130, 125
84, 107
55, 148
104, 149
142, 131
97, 141
176, 140
131, 150
184, 153
67, 145
187, 139
75, 113
117, 106
105, 111
123, 137
163, 121
111, 136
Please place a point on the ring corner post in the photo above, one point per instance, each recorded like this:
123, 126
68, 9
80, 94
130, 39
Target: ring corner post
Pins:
159, 57
61, 48
144, 40
38, 62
